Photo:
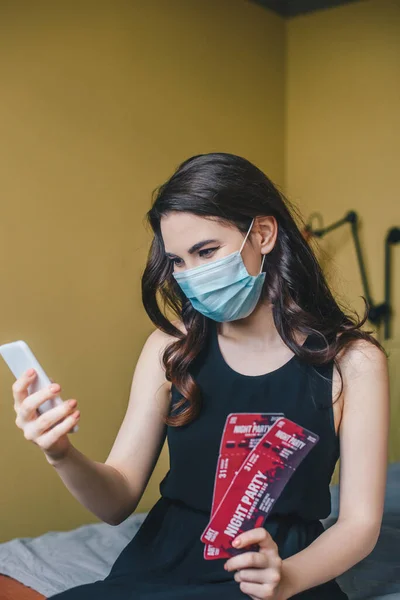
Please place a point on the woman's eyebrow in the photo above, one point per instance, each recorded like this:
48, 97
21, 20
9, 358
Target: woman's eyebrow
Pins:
196, 247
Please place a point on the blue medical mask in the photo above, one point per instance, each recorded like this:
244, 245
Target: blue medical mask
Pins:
223, 290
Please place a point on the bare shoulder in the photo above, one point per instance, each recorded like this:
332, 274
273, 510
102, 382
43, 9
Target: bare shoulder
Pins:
157, 341
359, 360
364, 375
361, 357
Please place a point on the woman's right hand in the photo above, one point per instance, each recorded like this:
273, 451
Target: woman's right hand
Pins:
36, 427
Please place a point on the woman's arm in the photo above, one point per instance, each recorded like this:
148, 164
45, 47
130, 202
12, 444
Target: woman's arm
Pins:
112, 490
364, 433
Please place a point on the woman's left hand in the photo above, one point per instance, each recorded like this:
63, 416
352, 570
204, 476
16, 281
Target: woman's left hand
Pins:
259, 573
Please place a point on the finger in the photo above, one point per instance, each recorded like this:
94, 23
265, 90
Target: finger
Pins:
39, 426
272, 576
274, 561
46, 440
253, 575
269, 548
246, 560
263, 538
260, 591
29, 406
259, 535
20, 387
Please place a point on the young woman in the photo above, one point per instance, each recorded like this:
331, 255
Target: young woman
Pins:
254, 328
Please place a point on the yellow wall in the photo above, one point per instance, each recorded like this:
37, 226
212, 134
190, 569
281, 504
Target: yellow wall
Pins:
343, 145
100, 100
99, 103
343, 134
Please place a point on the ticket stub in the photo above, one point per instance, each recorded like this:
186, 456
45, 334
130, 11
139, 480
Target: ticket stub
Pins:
258, 483
241, 434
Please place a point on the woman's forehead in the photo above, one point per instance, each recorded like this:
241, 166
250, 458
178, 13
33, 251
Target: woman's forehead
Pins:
181, 230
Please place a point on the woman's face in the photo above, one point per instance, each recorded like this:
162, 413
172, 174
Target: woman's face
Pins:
191, 241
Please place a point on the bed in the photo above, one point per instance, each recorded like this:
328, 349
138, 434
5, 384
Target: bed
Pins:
35, 568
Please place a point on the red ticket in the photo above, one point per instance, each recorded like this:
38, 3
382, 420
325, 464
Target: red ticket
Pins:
241, 434
258, 483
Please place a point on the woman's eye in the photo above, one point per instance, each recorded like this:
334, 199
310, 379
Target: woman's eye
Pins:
207, 251
176, 261
203, 253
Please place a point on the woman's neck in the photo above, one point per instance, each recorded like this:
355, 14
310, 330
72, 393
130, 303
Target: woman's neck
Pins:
258, 329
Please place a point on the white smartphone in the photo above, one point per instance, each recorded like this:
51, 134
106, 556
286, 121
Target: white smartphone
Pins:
19, 357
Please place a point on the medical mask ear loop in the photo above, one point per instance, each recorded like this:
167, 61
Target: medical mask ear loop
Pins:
244, 241
247, 235
262, 264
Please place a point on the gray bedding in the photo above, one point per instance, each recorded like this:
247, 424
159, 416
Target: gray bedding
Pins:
59, 560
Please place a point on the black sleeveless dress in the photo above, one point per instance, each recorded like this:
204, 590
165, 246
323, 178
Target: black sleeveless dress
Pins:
164, 560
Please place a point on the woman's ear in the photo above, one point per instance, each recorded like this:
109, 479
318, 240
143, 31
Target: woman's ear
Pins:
267, 231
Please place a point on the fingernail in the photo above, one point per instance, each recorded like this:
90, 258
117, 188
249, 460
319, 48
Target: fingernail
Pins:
236, 543
54, 387
31, 372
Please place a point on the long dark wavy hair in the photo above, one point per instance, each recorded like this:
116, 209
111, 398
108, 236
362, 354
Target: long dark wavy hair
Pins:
230, 188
